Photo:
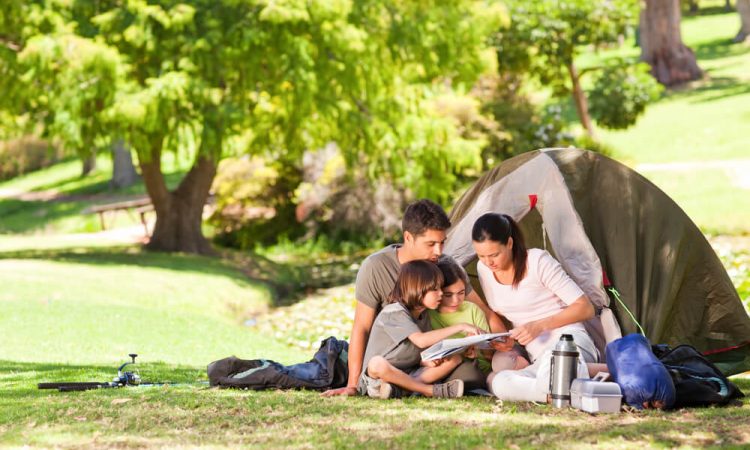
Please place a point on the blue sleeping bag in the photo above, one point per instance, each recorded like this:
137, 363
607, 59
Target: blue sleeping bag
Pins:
643, 379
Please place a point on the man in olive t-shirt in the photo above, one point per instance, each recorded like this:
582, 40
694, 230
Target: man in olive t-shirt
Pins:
424, 227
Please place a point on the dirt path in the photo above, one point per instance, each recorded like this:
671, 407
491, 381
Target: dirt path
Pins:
738, 170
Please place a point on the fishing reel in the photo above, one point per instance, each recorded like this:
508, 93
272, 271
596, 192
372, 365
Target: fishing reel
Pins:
128, 378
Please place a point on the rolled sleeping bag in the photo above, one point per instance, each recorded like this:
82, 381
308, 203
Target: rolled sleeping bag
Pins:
640, 374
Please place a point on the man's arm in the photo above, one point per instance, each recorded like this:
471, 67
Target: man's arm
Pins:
364, 316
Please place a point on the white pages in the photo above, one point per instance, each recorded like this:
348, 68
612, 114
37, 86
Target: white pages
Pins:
447, 347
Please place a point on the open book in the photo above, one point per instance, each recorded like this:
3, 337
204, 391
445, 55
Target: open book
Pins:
447, 347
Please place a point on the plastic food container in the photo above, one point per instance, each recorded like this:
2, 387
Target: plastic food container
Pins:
595, 396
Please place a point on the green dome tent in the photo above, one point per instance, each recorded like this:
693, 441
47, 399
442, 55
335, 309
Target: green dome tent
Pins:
605, 223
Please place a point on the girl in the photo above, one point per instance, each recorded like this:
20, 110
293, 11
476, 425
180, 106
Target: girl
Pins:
454, 310
402, 330
529, 288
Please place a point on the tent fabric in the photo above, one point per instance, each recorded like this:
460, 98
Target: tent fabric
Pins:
593, 213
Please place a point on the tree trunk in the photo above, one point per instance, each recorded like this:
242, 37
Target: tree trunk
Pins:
693, 6
88, 164
579, 98
123, 171
179, 213
728, 5
671, 61
743, 9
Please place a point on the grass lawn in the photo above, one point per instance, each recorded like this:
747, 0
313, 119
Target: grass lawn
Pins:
94, 306
192, 417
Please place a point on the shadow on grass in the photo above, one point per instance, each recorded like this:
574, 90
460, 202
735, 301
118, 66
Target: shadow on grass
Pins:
21, 216
719, 48
132, 256
712, 89
707, 11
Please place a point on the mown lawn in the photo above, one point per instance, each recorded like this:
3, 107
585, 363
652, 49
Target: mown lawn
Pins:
198, 416
94, 306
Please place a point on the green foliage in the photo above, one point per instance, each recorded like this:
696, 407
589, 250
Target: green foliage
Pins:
545, 36
68, 82
525, 126
352, 72
621, 93
252, 203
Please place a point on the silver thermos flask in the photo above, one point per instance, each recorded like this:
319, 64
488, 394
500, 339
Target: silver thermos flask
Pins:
563, 370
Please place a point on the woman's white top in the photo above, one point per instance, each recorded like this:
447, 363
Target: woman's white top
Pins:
544, 291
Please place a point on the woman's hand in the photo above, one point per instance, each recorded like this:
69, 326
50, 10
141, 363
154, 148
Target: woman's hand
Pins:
471, 352
528, 331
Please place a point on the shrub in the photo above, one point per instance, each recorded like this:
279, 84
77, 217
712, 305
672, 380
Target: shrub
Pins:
523, 126
253, 203
621, 93
25, 155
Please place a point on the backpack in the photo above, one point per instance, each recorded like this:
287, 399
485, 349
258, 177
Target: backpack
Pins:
697, 381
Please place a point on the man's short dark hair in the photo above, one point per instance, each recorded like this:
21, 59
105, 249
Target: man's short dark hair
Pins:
424, 215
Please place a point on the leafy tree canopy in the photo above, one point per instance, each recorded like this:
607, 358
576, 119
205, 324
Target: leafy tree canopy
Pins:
219, 77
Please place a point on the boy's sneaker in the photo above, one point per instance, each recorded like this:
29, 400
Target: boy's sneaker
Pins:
451, 389
386, 390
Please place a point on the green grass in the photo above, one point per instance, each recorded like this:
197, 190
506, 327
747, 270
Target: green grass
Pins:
96, 305
192, 416
705, 120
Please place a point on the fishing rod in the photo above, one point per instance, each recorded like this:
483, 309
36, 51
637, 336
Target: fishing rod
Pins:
123, 379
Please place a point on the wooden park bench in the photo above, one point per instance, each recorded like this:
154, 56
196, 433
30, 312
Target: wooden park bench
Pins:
141, 206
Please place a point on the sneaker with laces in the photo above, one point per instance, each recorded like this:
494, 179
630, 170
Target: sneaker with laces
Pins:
451, 389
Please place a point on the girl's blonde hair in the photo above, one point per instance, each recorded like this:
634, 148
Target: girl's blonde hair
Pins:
416, 279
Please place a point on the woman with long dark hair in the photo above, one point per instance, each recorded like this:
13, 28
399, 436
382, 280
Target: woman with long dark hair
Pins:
530, 289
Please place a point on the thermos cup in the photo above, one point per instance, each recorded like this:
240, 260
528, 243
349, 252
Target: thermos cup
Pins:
563, 371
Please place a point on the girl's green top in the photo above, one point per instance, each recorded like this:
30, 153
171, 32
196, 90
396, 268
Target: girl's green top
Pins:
467, 313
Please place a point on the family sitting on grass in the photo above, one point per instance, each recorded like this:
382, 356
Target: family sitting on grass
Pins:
411, 296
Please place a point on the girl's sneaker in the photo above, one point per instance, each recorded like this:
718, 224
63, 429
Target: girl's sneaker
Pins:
451, 389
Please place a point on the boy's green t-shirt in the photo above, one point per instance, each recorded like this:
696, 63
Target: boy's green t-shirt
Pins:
467, 313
